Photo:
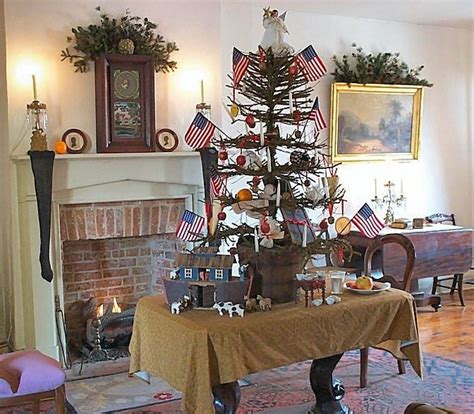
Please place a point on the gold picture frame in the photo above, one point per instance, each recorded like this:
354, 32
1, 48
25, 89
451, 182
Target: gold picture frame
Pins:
375, 122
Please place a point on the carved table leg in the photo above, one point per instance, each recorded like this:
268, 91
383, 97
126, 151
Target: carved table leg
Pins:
328, 391
226, 397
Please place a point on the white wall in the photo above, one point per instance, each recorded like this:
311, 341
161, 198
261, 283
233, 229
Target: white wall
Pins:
206, 31
441, 180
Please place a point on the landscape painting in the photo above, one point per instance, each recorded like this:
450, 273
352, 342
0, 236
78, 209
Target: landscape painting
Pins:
374, 122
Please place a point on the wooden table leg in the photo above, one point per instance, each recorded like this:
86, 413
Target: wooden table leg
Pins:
328, 390
226, 397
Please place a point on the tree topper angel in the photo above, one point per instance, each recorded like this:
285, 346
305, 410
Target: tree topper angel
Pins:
275, 30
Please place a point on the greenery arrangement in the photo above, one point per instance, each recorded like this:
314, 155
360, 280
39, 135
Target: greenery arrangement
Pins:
127, 35
380, 68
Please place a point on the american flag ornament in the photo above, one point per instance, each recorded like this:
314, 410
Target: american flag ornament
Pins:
199, 132
217, 184
367, 222
312, 65
317, 116
240, 63
190, 226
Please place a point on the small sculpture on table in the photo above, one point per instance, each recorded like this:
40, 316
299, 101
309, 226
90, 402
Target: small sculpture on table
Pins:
309, 286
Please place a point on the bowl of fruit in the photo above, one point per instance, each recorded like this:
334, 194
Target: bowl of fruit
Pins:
364, 285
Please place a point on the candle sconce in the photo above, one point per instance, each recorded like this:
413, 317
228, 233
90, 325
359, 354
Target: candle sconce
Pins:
38, 120
203, 107
391, 200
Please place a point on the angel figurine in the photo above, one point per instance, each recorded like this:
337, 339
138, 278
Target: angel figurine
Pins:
275, 30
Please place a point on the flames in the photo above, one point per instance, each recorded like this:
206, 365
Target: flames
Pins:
115, 309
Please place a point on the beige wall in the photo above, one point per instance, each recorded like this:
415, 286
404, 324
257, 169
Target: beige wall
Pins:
206, 31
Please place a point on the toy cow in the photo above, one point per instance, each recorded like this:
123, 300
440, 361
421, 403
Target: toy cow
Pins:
250, 304
264, 303
238, 309
176, 308
222, 307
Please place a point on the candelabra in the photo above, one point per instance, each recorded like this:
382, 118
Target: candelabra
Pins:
390, 200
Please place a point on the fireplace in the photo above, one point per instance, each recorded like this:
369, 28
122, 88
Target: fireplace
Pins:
114, 251
108, 210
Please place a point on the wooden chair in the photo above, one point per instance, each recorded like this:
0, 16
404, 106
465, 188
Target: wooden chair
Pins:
29, 377
457, 279
407, 245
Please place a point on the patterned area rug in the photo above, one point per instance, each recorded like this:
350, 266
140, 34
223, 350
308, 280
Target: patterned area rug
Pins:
287, 391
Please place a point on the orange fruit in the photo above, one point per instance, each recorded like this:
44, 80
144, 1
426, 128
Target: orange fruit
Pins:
60, 147
244, 195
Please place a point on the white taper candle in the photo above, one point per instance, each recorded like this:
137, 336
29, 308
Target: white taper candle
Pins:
262, 135
255, 234
278, 196
305, 235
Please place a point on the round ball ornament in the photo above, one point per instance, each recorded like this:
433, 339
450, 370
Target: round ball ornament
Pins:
223, 155
298, 134
307, 183
323, 225
233, 251
60, 147
241, 160
244, 195
221, 216
293, 70
297, 116
343, 226
250, 121
234, 110
331, 220
265, 227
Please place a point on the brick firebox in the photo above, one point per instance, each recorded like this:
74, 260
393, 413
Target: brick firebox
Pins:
117, 249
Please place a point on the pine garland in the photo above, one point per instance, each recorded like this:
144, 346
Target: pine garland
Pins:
89, 42
384, 68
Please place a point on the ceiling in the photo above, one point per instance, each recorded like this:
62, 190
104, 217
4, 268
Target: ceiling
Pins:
450, 13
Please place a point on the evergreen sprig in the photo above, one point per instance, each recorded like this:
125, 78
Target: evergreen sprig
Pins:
385, 68
89, 42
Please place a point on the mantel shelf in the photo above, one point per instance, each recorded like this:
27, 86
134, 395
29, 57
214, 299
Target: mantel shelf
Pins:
127, 155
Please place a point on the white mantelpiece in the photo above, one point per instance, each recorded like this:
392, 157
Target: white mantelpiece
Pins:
83, 178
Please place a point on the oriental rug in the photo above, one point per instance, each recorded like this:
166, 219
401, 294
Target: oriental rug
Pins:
286, 390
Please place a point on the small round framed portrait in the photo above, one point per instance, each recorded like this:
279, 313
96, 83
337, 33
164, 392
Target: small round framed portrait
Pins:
166, 140
76, 141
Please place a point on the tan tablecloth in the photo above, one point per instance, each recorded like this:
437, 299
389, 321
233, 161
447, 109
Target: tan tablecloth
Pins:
198, 349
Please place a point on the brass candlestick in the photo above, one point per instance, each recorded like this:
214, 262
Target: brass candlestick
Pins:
38, 119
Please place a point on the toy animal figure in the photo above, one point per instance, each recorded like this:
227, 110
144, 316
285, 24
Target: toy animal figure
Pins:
264, 303
222, 307
238, 309
250, 304
186, 302
174, 274
176, 308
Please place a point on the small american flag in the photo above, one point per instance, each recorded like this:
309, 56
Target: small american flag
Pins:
367, 222
240, 63
190, 226
217, 184
312, 65
199, 132
316, 116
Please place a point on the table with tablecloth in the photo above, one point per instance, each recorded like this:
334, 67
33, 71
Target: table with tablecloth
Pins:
199, 349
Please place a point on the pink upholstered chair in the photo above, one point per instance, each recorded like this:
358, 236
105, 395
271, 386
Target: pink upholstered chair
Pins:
29, 377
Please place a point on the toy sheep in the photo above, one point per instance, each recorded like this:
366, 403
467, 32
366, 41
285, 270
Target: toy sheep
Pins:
222, 307
238, 309
250, 304
264, 303
176, 308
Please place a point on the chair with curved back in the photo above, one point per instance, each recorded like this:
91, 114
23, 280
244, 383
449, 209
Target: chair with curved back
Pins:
405, 285
457, 279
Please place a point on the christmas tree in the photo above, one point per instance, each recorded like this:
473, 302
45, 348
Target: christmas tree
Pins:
280, 155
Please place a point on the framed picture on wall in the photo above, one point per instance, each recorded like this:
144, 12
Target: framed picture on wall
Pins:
375, 122
125, 109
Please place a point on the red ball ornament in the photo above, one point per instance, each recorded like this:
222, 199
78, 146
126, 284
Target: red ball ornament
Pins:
323, 225
297, 116
233, 251
256, 180
221, 216
265, 227
293, 70
223, 155
241, 160
250, 120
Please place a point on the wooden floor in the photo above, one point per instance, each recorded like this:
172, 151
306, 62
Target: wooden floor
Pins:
449, 333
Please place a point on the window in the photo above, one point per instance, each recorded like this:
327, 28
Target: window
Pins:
188, 273
219, 274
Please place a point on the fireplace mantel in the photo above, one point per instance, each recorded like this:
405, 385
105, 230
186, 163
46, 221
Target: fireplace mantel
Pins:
83, 178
